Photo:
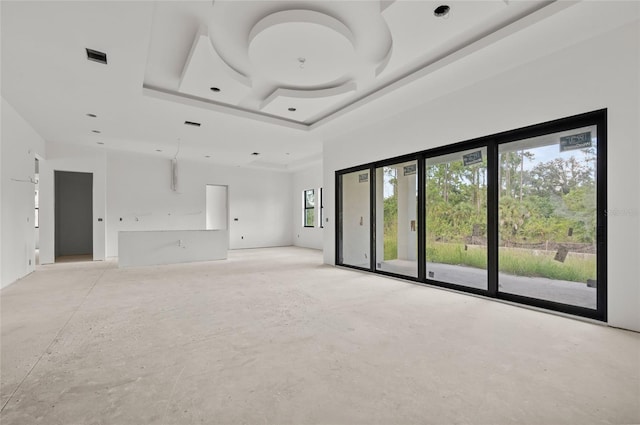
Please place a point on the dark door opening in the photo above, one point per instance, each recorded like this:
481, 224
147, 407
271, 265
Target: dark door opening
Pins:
73, 216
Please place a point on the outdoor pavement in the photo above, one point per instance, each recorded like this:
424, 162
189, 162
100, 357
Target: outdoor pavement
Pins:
562, 291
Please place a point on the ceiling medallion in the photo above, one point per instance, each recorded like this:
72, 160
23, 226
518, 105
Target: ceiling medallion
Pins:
283, 43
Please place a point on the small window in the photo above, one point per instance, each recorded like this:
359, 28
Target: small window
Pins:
37, 215
321, 209
309, 208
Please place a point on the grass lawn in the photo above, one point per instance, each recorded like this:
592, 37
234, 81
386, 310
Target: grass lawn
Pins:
518, 262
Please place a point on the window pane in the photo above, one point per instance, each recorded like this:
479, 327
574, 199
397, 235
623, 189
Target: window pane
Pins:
309, 199
396, 218
354, 242
456, 218
320, 218
309, 217
547, 217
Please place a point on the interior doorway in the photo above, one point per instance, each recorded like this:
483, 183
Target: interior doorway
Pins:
73, 216
217, 209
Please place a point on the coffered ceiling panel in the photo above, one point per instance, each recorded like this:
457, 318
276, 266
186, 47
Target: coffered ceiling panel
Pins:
304, 105
338, 64
262, 58
205, 72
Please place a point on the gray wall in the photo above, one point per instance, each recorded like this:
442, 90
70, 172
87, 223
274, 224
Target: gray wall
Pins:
73, 213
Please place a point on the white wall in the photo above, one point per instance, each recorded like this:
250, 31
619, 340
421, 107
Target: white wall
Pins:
139, 192
601, 72
64, 157
20, 144
308, 178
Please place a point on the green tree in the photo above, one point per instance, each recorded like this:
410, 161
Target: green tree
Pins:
559, 176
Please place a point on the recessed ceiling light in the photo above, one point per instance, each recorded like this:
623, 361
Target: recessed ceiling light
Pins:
215, 89
96, 131
292, 109
100, 143
193, 123
441, 11
92, 115
255, 153
96, 56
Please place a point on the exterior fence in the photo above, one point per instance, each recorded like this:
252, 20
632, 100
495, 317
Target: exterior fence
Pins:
583, 248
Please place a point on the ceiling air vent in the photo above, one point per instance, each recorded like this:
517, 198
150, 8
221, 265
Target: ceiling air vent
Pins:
96, 56
195, 124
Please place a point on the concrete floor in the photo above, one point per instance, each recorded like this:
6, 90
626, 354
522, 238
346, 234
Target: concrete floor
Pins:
272, 336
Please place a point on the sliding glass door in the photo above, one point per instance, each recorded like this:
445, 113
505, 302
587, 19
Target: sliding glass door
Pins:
548, 217
518, 215
354, 242
397, 218
456, 218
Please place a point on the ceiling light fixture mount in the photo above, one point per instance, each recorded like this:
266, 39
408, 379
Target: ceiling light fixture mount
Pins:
441, 11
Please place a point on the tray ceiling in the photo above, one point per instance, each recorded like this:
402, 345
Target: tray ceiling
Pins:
273, 77
300, 63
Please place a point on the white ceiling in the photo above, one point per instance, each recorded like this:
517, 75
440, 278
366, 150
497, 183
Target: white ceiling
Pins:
285, 60
326, 59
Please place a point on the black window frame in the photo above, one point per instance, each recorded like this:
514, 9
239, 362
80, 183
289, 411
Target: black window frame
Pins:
306, 208
321, 208
492, 143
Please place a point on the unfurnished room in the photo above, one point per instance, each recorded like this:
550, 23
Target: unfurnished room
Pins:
320, 212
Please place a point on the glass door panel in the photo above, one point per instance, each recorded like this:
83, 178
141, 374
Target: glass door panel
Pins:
547, 217
396, 219
456, 218
354, 243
